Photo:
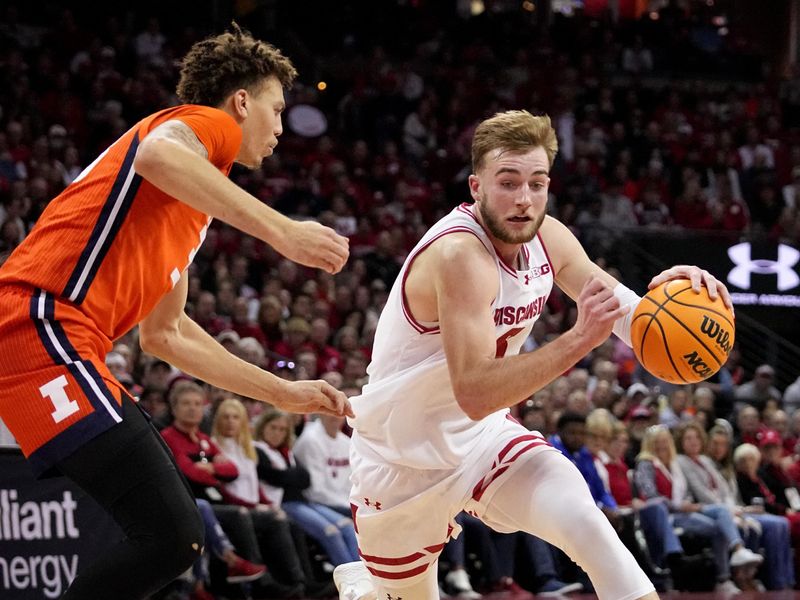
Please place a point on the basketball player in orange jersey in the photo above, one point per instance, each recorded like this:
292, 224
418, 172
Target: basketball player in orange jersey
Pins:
432, 431
111, 252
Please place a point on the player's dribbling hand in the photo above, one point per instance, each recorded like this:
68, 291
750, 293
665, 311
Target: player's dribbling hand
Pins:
699, 277
315, 397
598, 309
314, 245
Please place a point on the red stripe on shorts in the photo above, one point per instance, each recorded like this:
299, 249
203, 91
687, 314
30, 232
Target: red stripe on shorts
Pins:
383, 560
399, 574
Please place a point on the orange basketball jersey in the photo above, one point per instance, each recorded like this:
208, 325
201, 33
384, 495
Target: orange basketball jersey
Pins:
111, 242
99, 259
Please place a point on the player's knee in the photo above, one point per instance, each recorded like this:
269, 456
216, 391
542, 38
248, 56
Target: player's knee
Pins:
188, 538
582, 525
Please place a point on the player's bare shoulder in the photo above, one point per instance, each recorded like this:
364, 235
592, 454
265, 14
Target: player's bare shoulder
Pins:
561, 244
461, 260
177, 131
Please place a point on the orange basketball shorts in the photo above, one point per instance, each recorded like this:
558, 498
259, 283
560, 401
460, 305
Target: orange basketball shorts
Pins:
56, 392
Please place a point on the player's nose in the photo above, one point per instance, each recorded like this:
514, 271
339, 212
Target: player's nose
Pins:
525, 197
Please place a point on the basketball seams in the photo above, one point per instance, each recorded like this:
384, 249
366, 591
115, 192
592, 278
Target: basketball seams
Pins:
653, 319
666, 347
662, 306
692, 333
721, 315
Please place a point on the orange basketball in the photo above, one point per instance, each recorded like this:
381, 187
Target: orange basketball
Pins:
680, 336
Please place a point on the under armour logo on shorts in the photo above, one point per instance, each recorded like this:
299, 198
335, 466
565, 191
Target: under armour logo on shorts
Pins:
788, 257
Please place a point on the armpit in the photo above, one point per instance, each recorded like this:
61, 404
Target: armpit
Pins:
180, 132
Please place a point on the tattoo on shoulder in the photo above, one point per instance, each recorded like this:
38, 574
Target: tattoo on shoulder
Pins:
180, 132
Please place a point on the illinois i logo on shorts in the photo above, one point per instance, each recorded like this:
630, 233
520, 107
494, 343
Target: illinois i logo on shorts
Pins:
56, 391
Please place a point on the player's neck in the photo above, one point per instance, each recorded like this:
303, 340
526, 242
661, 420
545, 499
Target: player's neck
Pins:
508, 253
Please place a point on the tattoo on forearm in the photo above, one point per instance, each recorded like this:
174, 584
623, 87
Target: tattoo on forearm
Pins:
180, 132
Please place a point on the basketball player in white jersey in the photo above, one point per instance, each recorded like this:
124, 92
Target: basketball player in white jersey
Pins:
432, 432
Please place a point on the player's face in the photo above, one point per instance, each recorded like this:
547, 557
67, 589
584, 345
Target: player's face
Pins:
263, 125
510, 191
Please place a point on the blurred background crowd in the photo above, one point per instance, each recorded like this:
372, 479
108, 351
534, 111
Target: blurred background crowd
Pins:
668, 118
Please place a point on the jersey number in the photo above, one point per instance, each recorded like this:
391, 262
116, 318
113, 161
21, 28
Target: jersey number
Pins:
502, 341
56, 392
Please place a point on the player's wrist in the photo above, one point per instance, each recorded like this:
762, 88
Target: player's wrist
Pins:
626, 297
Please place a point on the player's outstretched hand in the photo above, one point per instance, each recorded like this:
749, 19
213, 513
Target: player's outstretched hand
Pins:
598, 309
315, 397
314, 245
699, 277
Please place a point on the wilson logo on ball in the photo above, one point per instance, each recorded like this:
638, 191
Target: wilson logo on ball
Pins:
715, 331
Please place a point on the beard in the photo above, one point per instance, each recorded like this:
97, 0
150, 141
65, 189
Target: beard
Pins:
496, 227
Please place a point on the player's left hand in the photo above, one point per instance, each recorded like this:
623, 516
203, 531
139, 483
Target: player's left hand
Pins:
699, 277
314, 245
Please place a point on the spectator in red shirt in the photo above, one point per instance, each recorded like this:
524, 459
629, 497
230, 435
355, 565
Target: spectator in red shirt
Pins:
295, 337
328, 357
205, 314
241, 323
256, 533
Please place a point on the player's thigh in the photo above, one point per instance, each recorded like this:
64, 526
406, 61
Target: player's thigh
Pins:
55, 390
542, 496
402, 521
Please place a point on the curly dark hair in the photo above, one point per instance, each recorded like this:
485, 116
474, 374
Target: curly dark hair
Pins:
221, 64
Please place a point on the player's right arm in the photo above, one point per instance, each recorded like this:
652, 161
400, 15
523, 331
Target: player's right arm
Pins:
173, 159
168, 333
464, 279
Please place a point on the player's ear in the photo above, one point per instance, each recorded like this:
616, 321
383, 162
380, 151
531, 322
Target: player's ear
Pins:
474, 187
241, 103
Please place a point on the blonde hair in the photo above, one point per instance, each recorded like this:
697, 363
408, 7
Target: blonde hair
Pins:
600, 422
743, 451
515, 131
244, 439
267, 417
652, 434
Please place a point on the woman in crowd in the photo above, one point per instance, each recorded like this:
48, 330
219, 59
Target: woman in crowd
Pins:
664, 546
232, 432
658, 475
756, 492
709, 486
284, 481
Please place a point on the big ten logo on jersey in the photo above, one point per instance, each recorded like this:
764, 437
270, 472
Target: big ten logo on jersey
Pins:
175, 276
536, 272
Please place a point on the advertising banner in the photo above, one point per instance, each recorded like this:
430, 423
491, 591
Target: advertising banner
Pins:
49, 530
763, 277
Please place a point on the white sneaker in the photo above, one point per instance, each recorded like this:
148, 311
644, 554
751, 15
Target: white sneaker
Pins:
728, 588
354, 582
744, 556
459, 583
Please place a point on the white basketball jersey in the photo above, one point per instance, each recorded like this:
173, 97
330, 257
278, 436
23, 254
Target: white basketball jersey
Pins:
407, 414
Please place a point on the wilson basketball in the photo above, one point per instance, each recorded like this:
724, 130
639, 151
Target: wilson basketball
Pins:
680, 336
